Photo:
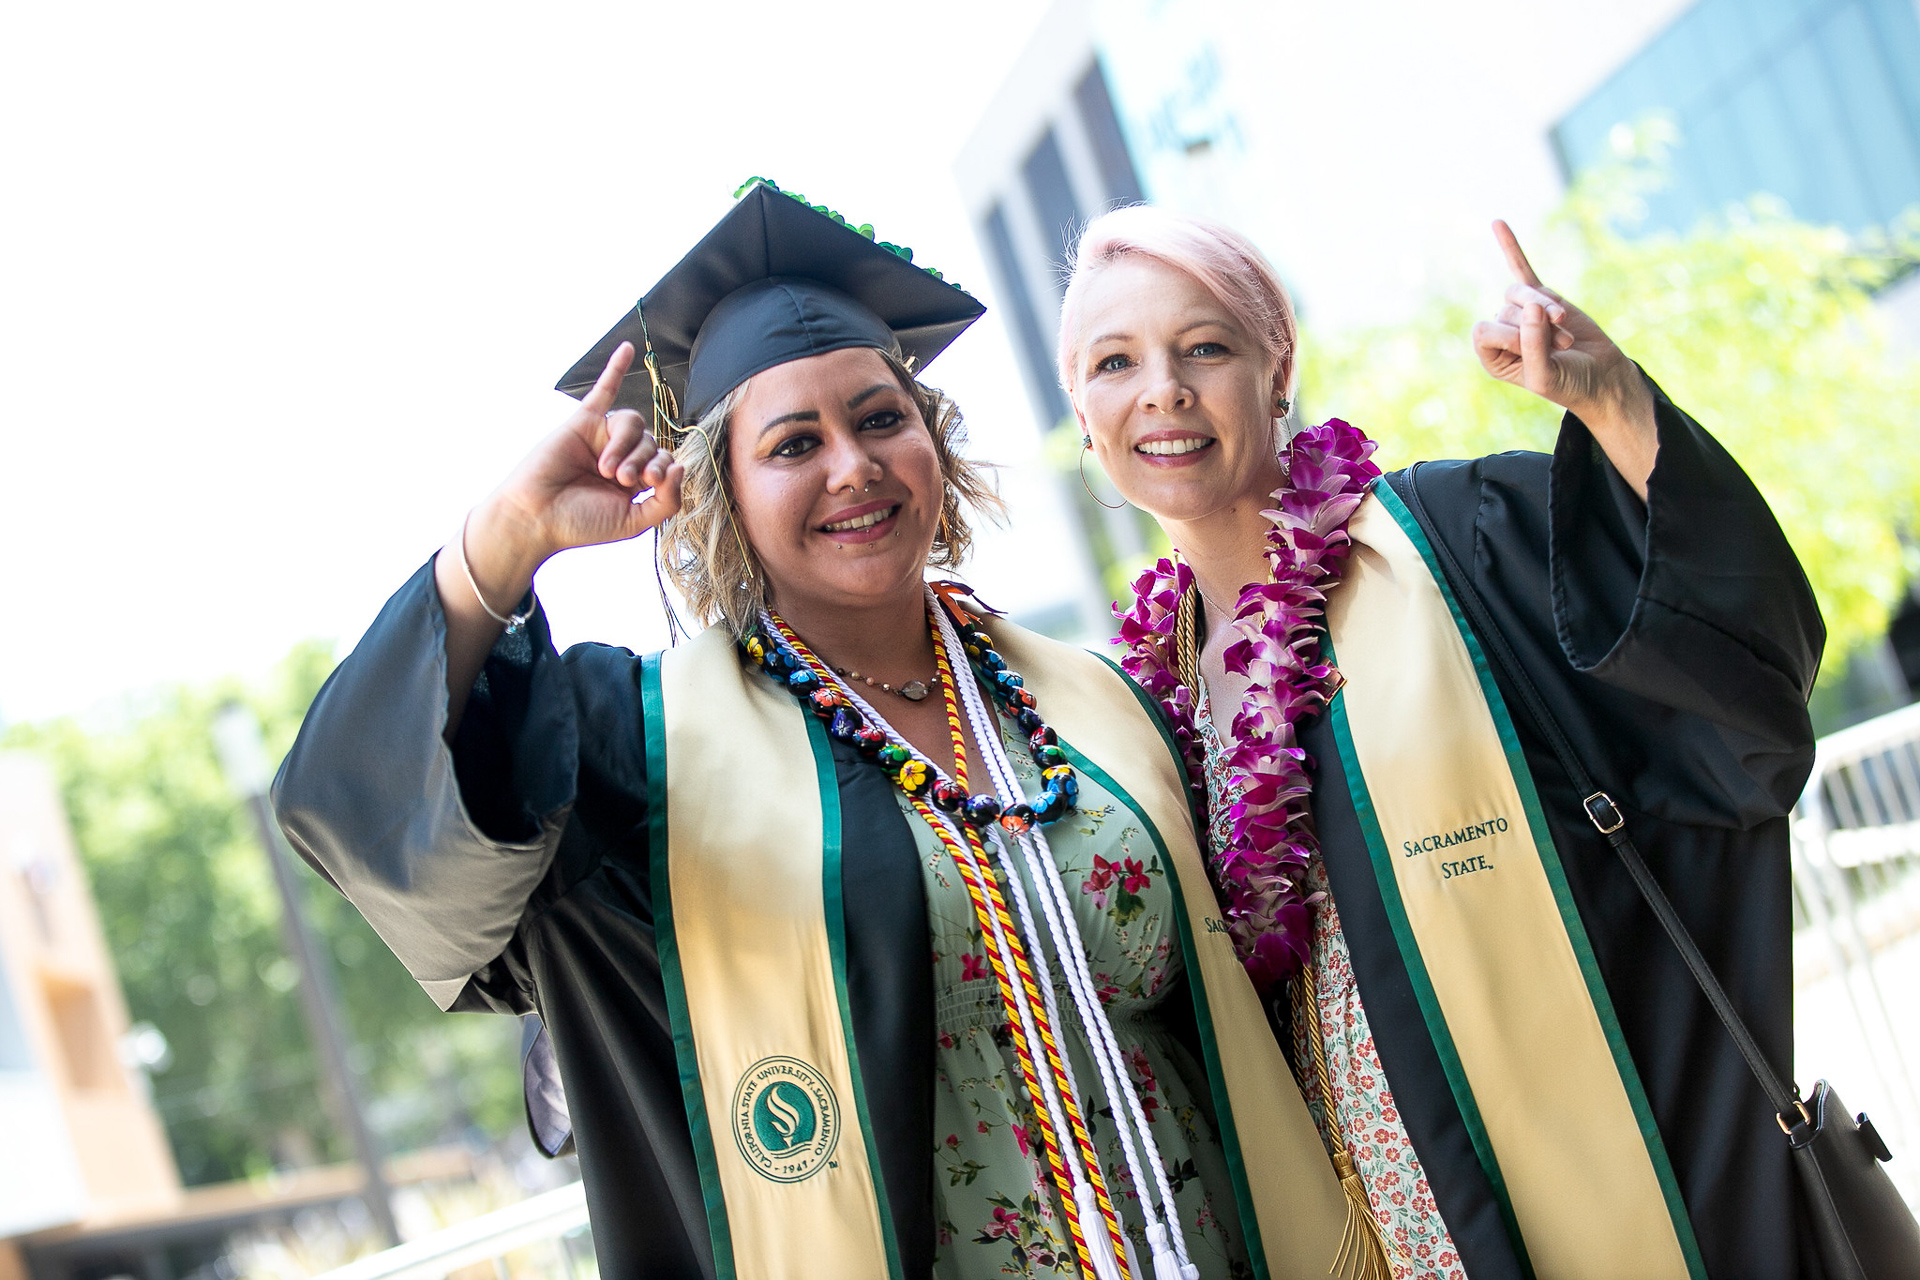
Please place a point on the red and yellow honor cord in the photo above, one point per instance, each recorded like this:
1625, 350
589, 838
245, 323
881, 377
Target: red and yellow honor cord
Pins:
975, 869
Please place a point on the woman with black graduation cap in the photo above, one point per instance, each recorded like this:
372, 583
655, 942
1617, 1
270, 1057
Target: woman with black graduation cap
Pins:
871, 933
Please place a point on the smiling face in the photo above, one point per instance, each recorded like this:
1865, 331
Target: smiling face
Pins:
836, 480
1180, 401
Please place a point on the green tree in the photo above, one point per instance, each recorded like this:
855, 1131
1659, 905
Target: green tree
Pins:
1761, 326
191, 916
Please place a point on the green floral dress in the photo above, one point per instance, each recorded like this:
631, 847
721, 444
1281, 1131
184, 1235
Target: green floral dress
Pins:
997, 1210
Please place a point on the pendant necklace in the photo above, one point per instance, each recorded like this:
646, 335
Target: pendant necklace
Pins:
912, 690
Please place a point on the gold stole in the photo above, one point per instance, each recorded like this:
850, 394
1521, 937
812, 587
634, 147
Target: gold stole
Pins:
746, 882
746, 876
1483, 917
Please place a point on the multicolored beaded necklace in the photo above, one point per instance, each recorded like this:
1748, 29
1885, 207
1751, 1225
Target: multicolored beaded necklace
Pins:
1029, 1003
811, 680
1169, 1252
779, 650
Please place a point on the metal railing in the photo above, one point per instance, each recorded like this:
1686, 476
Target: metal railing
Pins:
550, 1216
1856, 893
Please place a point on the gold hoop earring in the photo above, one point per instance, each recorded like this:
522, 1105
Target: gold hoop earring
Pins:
1111, 506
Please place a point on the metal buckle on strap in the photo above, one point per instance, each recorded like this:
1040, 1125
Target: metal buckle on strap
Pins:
1604, 813
1806, 1118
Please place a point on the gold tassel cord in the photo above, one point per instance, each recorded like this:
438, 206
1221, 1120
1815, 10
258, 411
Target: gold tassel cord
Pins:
1186, 652
1363, 1246
670, 432
1363, 1250
666, 405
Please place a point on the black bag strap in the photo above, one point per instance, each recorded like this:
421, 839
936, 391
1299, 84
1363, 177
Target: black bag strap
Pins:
1607, 818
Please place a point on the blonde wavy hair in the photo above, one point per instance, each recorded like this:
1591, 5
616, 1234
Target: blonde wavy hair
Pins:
708, 560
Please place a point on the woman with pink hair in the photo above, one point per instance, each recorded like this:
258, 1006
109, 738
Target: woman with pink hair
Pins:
1419, 708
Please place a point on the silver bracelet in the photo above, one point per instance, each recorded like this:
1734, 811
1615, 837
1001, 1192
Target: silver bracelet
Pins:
513, 623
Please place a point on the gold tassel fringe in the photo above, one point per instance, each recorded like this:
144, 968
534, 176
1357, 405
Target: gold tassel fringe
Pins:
1363, 1245
1363, 1248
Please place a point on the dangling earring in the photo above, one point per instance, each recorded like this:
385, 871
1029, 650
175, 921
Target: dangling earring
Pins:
1086, 447
1282, 437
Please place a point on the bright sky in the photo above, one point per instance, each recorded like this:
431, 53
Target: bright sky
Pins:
285, 287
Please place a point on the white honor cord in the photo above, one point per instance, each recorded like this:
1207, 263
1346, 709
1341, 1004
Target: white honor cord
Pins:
1080, 981
1072, 953
1100, 1245
1100, 1058
1114, 1084
1037, 952
1043, 977
1069, 946
1093, 1226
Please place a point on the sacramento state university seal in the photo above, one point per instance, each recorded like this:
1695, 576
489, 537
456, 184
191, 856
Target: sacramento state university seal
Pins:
786, 1120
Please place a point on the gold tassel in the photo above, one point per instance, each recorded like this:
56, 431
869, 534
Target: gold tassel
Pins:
666, 405
1363, 1247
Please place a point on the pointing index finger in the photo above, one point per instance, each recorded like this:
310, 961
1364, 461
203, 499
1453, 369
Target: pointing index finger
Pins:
601, 398
1516, 259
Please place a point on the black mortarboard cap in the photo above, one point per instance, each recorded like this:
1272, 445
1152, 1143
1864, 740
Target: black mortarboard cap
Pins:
775, 280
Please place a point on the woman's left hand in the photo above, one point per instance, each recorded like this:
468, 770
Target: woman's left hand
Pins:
1540, 341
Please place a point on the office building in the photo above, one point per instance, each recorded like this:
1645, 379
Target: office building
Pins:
1368, 154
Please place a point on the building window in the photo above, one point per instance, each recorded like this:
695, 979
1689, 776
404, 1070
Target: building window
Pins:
1097, 117
1050, 403
1814, 101
1045, 176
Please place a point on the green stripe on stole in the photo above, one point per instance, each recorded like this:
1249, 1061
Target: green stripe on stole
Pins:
691, 1096
1487, 927
751, 930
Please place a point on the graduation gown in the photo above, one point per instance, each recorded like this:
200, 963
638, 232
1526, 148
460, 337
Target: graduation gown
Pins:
1676, 641
673, 932
510, 876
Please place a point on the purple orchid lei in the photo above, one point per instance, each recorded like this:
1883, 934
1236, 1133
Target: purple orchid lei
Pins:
1261, 872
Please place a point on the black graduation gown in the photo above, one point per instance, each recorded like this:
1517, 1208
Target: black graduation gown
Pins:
1676, 642
511, 875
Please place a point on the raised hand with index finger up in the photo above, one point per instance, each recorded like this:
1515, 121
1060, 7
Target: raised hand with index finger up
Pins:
577, 488
1540, 341
586, 483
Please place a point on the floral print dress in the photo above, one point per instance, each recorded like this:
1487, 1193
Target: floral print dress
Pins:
1418, 1243
996, 1208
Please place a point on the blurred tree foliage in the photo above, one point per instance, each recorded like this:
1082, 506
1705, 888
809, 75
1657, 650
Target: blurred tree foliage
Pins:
191, 916
1760, 326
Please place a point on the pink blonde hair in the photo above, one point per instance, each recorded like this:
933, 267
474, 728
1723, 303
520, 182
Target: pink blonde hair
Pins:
1225, 263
